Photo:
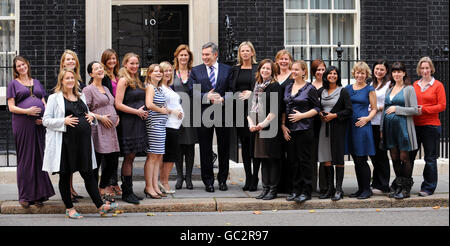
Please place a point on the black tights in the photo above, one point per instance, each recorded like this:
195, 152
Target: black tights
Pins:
89, 182
109, 163
401, 163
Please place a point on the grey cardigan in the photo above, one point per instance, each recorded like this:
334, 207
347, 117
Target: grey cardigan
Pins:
409, 110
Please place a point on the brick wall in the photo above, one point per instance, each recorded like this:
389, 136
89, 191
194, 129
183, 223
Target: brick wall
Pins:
403, 30
47, 28
260, 22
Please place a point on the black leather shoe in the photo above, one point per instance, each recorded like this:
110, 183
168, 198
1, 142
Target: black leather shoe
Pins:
356, 194
189, 184
365, 195
291, 197
209, 188
223, 187
264, 192
302, 198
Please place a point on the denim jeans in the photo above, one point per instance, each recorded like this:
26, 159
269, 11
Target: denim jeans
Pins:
428, 136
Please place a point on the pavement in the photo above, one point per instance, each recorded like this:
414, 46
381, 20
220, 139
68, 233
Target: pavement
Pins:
235, 199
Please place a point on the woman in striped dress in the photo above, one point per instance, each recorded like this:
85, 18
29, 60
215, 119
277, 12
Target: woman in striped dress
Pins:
155, 102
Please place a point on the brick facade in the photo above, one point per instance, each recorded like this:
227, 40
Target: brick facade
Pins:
260, 22
47, 28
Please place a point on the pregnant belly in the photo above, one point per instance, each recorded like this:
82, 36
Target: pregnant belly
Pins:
32, 101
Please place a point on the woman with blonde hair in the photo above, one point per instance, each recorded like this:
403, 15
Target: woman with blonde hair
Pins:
130, 105
155, 102
431, 97
301, 104
284, 61
68, 144
182, 61
243, 81
172, 146
359, 141
69, 59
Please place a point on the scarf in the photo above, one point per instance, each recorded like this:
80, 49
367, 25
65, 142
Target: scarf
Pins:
257, 97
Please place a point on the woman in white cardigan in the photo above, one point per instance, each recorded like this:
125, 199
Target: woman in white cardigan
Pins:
68, 142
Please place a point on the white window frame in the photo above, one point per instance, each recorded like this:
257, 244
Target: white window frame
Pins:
16, 19
357, 29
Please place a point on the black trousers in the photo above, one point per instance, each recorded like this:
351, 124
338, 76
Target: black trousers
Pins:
244, 137
109, 164
285, 184
270, 171
300, 149
89, 182
205, 136
381, 168
187, 152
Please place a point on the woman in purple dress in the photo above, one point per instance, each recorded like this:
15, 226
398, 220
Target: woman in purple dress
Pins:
27, 104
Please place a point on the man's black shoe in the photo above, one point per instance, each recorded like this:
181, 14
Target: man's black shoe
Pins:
209, 188
302, 198
223, 187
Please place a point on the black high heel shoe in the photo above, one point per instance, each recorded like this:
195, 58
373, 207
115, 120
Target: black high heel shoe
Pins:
338, 196
148, 195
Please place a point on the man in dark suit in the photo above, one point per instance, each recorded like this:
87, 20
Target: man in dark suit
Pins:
214, 80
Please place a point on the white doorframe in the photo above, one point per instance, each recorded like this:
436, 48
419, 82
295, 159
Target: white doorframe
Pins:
203, 27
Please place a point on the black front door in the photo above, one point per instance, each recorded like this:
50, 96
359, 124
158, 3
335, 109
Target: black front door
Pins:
151, 31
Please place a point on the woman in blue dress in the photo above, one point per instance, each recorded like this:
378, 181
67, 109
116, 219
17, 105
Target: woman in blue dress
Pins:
359, 141
397, 128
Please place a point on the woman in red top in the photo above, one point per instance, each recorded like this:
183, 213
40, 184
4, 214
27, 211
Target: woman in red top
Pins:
431, 100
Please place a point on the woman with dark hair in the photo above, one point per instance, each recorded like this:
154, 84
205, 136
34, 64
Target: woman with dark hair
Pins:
397, 128
104, 135
337, 110
111, 64
318, 68
27, 104
301, 105
110, 61
243, 81
380, 161
261, 119
182, 63
432, 100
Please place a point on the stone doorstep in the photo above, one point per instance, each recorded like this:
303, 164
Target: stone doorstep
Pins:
233, 204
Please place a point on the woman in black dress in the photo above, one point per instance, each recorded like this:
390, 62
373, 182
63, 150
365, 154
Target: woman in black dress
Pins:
336, 111
69, 146
264, 122
283, 61
130, 105
243, 81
